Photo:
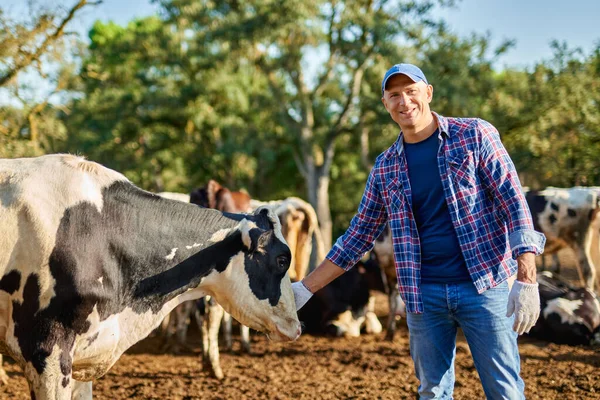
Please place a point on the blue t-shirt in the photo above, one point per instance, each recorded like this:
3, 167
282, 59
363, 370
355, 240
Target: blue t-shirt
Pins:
441, 258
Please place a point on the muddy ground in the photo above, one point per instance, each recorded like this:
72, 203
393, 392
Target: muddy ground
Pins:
327, 368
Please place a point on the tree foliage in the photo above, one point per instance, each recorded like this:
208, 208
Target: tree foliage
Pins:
35, 47
284, 98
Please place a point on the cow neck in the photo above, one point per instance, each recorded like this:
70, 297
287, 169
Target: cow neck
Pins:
178, 243
137, 237
188, 273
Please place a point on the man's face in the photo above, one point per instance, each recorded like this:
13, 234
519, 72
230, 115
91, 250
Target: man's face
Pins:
408, 102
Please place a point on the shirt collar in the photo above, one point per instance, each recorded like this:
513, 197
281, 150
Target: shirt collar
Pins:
398, 146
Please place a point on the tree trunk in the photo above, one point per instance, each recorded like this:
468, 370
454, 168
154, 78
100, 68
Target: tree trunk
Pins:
317, 184
323, 210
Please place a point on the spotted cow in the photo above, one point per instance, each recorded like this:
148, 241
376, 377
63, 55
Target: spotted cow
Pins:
90, 264
299, 225
345, 306
569, 218
569, 315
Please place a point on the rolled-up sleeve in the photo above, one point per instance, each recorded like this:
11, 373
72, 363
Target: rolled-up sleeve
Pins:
500, 178
526, 241
365, 227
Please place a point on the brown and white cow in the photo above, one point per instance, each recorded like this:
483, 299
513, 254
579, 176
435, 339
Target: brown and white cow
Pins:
216, 196
569, 218
90, 264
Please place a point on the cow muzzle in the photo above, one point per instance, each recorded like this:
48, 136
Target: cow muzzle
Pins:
284, 335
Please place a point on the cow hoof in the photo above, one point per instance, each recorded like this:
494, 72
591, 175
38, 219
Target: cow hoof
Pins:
246, 348
175, 348
219, 374
389, 336
3, 378
372, 324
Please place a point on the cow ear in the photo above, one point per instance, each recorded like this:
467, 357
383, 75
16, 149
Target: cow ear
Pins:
259, 240
254, 238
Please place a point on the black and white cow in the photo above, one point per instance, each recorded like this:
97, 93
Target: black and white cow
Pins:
345, 305
91, 264
569, 315
569, 218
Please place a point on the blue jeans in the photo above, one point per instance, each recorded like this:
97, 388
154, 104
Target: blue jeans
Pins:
488, 331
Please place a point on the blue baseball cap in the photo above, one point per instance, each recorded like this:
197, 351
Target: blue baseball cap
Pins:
412, 71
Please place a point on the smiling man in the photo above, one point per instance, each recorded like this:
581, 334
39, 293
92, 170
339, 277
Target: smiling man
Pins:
460, 229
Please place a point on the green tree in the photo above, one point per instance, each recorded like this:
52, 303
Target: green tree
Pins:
551, 120
279, 38
35, 45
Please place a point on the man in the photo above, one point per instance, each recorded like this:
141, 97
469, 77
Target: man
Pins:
460, 228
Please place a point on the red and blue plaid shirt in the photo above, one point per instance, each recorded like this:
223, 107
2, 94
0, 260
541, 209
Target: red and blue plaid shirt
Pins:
485, 200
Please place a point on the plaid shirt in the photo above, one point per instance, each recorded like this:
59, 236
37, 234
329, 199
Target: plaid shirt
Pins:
484, 197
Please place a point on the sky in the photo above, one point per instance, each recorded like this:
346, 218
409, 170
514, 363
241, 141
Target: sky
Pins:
532, 23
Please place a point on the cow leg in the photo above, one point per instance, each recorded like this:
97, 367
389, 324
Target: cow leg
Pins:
372, 324
215, 315
3, 376
168, 330
201, 320
227, 331
183, 320
82, 391
585, 265
245, 338
555, 263
163, 328
543, 262
391, 321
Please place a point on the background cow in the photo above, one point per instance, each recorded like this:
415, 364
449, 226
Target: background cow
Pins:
569, 315
383, 252
569, 218
91, 264
299, 225
343, 306
207, 313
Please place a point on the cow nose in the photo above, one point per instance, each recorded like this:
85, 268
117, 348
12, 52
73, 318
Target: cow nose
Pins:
289, 335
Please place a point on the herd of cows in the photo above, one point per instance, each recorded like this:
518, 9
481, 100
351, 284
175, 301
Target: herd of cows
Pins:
91, 264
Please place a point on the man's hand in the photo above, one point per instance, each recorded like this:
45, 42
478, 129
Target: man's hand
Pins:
524, 302
301, 294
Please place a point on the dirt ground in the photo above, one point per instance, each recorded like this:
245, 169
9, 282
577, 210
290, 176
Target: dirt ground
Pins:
327, 368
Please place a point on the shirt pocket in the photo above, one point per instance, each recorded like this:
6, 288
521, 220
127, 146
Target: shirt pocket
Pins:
395, 197
462, 170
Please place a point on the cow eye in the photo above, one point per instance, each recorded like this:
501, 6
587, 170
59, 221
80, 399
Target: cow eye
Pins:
283, 262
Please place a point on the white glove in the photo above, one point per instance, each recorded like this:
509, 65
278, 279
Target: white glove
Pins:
301, 294
524, 302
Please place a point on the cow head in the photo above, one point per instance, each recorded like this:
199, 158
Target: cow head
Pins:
213, 195
255, 288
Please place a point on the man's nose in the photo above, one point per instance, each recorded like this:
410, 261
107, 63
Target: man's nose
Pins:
403, 99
